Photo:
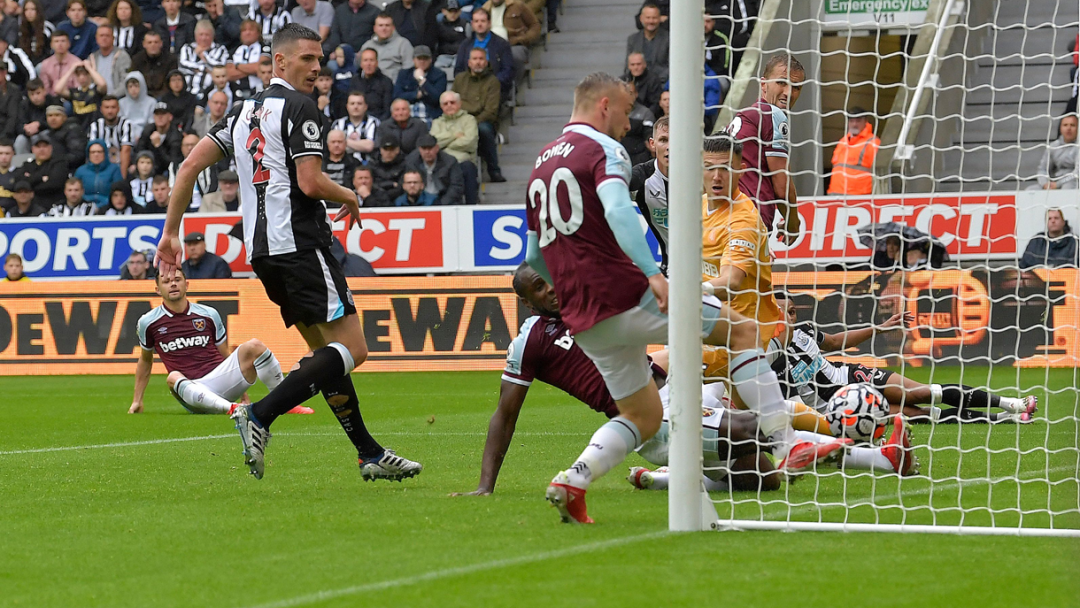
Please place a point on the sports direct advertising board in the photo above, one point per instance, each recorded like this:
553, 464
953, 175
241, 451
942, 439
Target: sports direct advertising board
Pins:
492, 238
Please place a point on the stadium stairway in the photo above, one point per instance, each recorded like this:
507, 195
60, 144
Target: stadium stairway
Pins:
592, 38
1015, 92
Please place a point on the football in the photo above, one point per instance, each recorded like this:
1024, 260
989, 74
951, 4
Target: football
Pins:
858, 412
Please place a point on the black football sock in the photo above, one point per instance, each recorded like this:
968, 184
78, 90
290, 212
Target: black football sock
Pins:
955, 415
316, 371
963, 396
340, 395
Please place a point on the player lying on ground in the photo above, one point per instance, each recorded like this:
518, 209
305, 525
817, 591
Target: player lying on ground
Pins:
191, 341
545, 350
277, 139
804, 371
612, 295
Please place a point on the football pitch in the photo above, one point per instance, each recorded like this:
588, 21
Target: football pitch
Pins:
102, 508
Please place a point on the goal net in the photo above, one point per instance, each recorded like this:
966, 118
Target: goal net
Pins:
936, 172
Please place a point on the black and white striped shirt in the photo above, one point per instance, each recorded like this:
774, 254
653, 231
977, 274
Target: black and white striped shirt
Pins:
197, 71
116, 136
366, 129
270, 24
246, 88
266, 135
124, 38
83, 209
20, 68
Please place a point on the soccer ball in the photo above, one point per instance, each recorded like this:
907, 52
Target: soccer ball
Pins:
858, 412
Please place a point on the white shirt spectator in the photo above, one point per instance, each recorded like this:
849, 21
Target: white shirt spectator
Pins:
366, 130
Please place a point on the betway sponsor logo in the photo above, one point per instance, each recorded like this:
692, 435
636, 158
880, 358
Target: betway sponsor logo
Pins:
178, 343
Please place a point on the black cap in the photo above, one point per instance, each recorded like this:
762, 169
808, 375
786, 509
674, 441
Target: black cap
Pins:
41, 138
161, 106
427, 140
22, 186
230, 176
389, 140
453, 5
194, 237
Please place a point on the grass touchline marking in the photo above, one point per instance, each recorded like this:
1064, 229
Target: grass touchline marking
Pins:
433, 575
125, 444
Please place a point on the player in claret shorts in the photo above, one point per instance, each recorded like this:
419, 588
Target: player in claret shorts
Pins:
191, 341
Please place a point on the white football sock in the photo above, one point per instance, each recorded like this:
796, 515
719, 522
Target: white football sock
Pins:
757, 385
268, 369
606, 450
813, 437
1012, 405
199, 399
870, 459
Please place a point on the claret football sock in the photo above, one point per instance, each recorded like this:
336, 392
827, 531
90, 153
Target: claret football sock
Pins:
757, 385
340, 395
316, 370
608, 447
199, 399
268, 369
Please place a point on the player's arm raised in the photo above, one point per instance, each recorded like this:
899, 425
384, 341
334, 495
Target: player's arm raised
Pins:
205, 153
784, 187
142, 378
854, 337
500, 432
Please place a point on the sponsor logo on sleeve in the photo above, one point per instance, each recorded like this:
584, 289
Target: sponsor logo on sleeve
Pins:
745, 244
310, 130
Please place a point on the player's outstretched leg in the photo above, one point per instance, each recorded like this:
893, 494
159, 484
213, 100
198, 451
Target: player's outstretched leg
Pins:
195, 397
257, 362
965, 402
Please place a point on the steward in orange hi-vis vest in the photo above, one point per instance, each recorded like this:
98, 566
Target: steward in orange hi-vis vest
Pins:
853, 163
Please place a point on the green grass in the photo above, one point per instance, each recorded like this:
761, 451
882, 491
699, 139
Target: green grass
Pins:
182, 524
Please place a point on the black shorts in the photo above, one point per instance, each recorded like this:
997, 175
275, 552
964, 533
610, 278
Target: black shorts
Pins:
309, 286
860, 374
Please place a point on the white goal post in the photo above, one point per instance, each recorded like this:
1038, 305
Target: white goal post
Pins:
966, 97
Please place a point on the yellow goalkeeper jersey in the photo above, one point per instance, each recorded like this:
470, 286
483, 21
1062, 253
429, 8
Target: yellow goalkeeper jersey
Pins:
734, 235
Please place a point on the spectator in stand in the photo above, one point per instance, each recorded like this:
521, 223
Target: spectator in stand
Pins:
200, 263
270, 18
413, 193
1056, 247
386, 170
20, 70
266, 71
395, 52
44, 173
853, 159
641, 127
25, 205
652, 41
10, 98
155, 63
80, 31
243, 69
717, 52
111, 62
662, 107
162, 139
126, 19
219, 83
377, 88
337, 163
116, 131
648, 86
205, 182
364, 185
453, 30
226, 21
227, 197
67, 135
316, 15
354, 23
138, 106
7, 174
442, 176
457, 135
497, 53
74, 204
360, 128
324, 86
98, 174
59, 63
199, 58
1058, 169
86, 98
421, 86
13, 268
665, 13
176, 28
898, 255
515, 23
32, 113
734, 22
180, 100
152, 11
120, 201
142, 184
137, 267
344, 57
159, 204
479, 94
405, 128
415, 21
35, 32
9, 22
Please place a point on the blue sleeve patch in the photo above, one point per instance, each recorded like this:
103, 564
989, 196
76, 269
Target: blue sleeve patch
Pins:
617, 161
781, 130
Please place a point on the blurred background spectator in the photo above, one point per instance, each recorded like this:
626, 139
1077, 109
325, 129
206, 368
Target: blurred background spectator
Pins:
1059, 168
201, 264
442, 175
1055, 247
853, 158
13, 268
